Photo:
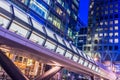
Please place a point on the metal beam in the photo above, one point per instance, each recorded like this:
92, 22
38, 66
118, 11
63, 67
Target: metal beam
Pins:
10, 68
47, 75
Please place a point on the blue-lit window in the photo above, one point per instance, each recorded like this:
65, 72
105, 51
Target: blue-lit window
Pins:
38, 8
47, 1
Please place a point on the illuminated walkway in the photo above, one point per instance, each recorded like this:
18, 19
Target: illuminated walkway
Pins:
20, 31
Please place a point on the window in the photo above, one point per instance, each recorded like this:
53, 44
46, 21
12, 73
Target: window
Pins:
111, 22
110, 47
68, 55
101, 34
38, 8
58, 10
110, 34
54, 20
90, 65
116, 27
111, 28
50, 45
111, 40
21, 15
116, 33
116, 21
85, 63
5, 6
60, 50
19, 29
116, 48
105, 34
101, 23
75, 58
4, 21
47, 1
81, 61
116, 40
37, 38
37, 25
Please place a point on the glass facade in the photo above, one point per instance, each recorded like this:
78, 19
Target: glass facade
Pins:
61, 15
103, 31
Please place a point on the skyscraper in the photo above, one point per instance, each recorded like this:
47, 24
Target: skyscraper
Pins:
103, 32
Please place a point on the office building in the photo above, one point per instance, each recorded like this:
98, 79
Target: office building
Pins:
103, 31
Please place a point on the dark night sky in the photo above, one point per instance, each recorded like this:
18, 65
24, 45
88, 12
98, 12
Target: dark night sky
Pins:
83, 11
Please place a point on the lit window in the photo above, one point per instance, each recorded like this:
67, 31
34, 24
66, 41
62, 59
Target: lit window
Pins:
116, 40
4, 21
116, 21
36, 38
111, 28
19, 29
101, 23
106, 23
101, 34
116, 33
110, 34
111, 40
111, 22
68, 55
96, 35
105, 34
116, 27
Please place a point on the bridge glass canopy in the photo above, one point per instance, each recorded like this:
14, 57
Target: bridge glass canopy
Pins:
21, 23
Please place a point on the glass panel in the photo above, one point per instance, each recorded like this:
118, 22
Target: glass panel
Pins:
4, 21
19, 29
50, 45
93, 67
60, 40
60, 50
68, 55
47, 1
96, 69
89, 58
81, 61
67, 44
84, 55
75, 58
50, 33
37, 25
5, 5
80, 52
74, 48
21, 15
90, 65
85, 63
38, 8
37, 38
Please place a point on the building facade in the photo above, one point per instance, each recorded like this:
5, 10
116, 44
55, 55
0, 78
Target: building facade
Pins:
103, 32
61, 16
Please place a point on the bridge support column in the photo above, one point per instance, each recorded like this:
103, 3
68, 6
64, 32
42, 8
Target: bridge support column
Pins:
47, 75
10, 68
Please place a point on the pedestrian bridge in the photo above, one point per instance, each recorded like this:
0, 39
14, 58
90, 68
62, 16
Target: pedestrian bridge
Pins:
20, 31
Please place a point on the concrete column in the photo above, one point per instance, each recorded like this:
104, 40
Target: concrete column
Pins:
10, 68
47, 75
